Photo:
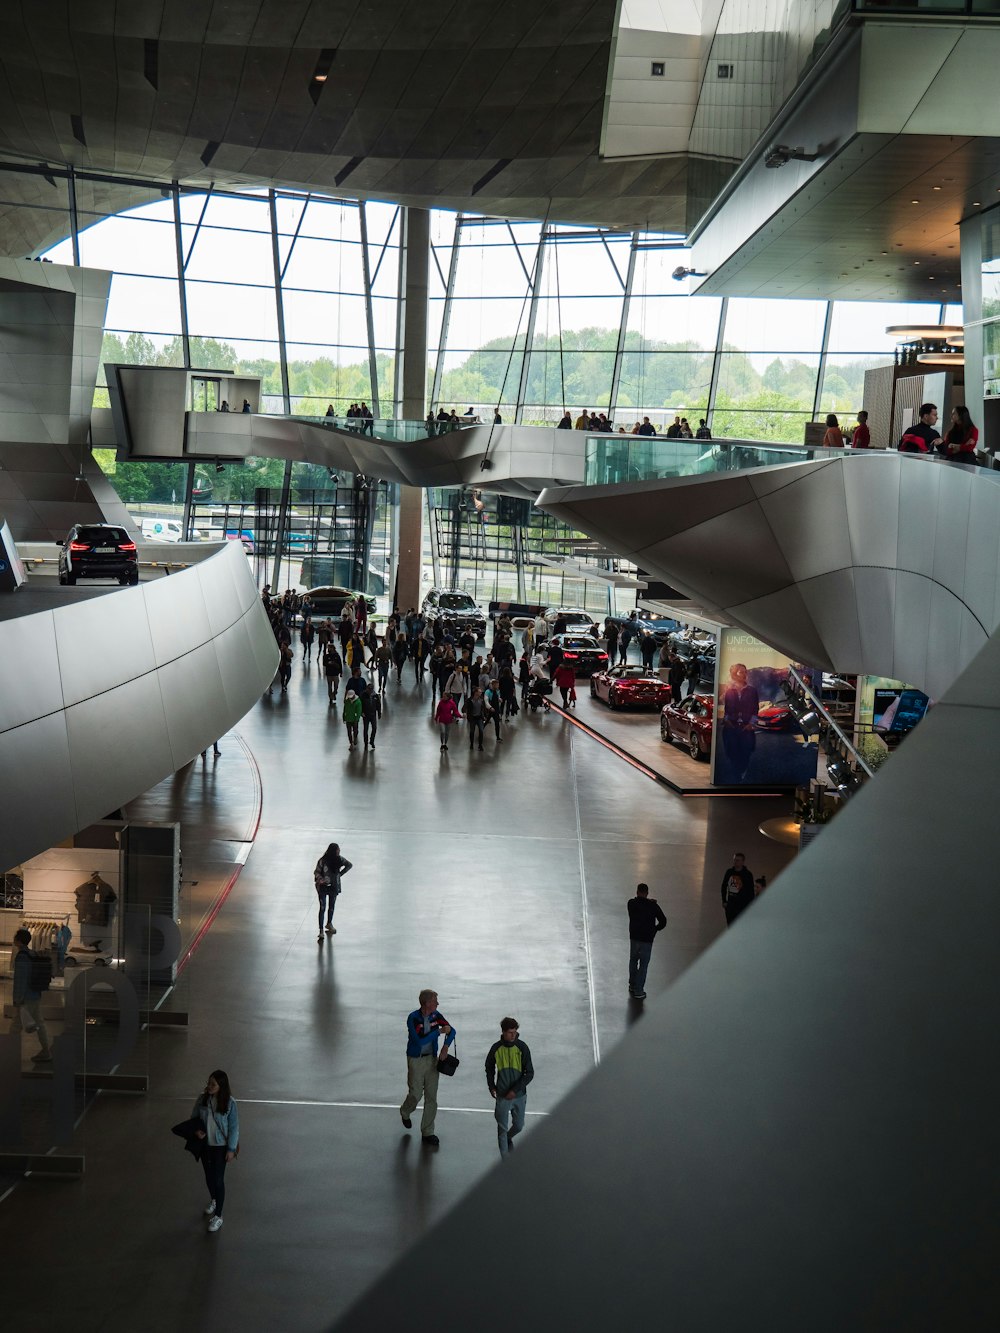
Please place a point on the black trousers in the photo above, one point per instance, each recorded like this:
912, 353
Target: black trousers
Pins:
213, 1161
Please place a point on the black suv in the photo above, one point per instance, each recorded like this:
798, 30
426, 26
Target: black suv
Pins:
457, 607
98, 551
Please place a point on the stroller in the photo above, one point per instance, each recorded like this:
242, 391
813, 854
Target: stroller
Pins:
538, 694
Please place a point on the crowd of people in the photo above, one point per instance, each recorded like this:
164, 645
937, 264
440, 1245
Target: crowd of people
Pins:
599, 423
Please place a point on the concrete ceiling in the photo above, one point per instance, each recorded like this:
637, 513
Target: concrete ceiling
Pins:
487, 108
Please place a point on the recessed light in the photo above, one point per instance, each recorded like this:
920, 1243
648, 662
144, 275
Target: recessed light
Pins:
916, 261
914, 201
935, 187
975, 203
319, 78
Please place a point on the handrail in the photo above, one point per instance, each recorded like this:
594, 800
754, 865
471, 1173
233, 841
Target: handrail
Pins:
849, 751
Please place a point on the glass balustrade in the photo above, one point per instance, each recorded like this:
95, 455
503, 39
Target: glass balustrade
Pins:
634, 458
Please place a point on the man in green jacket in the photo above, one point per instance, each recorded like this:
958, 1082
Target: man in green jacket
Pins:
508, 1072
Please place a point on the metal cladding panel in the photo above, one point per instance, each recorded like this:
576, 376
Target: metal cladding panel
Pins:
194, 702
811, 516
707, 553
102, 642
238, 666
105, 769
872, 497
37, 793
951, 531
876, 589
980, 583
178, 619
30, 684
832, 602
910, 629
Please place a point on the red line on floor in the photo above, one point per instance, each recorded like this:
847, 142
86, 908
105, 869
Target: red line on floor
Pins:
227, 890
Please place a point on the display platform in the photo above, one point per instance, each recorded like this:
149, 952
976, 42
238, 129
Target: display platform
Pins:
636, 734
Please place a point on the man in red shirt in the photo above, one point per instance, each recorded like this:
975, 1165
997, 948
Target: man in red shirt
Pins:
861, 438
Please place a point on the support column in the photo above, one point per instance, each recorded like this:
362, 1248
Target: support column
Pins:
412, 351
970, 234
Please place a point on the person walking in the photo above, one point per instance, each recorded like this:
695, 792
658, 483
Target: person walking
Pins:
423, 1029
737, 888
383, 663
306, 636
645, 918
676, 673
611, 639
475, 715
494, 706
216, 1109
400, 652
565, 681
27, 998
285, 667
508, 1072
326, 876
446, 713
333, 669
371, 711
352, 716
647, 649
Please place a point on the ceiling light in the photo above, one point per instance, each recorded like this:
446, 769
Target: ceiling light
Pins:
319, 78
941, 359
935, 187
914, 201
975, 203
936, 332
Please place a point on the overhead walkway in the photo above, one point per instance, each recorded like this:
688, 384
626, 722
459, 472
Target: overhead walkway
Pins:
150, 422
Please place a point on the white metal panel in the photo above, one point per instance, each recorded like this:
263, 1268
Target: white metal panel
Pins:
102, 642
30, 683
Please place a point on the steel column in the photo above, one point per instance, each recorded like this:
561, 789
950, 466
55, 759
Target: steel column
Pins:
369, 311
616, 373
529, 333
446, 313
713, 384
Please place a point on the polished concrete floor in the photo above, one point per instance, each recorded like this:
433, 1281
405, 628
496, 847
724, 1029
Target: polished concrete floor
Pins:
499, 878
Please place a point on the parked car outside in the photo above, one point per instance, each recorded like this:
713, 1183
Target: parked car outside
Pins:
689, 723
629, 687
98, 551
329, 601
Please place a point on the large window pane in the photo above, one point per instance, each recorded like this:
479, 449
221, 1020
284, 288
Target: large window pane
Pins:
226, 310
760, 325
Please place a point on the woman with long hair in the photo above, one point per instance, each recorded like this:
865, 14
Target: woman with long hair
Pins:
329, 868
216, 1109
963, 437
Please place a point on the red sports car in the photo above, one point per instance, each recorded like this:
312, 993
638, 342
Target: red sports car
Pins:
629, 687
689, 723
776, 717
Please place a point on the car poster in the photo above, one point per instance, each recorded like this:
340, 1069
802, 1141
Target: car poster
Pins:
757, 739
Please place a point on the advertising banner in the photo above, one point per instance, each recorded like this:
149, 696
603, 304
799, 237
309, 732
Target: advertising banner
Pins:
757, 739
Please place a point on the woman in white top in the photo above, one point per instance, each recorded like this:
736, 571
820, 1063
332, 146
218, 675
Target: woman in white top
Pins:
216, 1109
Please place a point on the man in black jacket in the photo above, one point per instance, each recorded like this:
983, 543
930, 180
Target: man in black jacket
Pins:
645, 918
737, 888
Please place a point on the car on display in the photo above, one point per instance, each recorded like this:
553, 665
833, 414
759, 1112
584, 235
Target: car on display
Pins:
455, 606
647, 622
582, 651
578, 621
329, 601
689, 723
688, 645
98, 551
629, 687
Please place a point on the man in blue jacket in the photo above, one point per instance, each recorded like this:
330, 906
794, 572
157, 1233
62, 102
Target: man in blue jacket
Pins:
423, 1028
28, 1001
508, 1072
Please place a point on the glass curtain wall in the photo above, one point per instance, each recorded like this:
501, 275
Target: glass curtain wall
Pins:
530, 317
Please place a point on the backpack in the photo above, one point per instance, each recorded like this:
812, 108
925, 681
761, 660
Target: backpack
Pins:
40, 976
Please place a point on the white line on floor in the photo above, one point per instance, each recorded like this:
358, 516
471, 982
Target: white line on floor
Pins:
583, 901
363, 1106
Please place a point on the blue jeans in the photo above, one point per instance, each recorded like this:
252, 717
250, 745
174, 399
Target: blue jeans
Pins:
514, 1110
329, 898
638, 962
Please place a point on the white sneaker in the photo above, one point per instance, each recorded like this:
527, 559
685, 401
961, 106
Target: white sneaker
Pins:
215, 1224
210, 1210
